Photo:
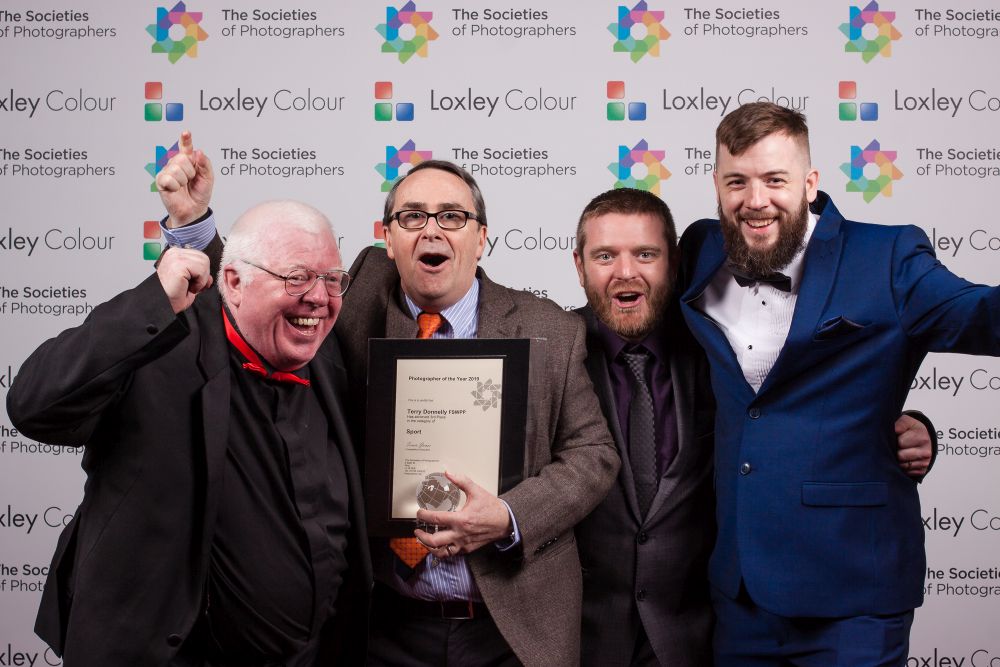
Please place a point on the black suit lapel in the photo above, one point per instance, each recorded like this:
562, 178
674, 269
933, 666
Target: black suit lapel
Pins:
213, 361
597, 368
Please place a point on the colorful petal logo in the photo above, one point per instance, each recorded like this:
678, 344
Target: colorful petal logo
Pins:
622, 30
630, 158
397, 18
870, 188
163, 155
869, 48
396, 158
160, 31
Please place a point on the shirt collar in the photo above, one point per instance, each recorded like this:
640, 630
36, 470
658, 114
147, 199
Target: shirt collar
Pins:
460, 318
656, 342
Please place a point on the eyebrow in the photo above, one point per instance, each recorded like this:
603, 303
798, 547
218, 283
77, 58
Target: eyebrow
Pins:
444, 206
773, 172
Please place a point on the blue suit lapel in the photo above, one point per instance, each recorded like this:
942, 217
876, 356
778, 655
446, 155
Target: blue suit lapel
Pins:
820, 270
711, 256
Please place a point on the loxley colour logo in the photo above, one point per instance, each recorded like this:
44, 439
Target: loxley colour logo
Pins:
869, 48
872, 154
407, 154
177, 48
383, 110
151, 248
407, 16
378, 231
616, 110
848, 110
163, 156
639, 157
629, 19
154, 108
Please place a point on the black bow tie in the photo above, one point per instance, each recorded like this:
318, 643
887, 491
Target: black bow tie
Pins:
777, 280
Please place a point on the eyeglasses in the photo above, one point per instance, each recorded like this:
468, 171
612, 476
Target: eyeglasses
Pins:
417, 219
300, 281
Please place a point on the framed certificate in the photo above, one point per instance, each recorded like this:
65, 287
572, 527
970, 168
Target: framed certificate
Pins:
441, 405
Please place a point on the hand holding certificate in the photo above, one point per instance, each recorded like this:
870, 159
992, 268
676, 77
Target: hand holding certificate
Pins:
445, 405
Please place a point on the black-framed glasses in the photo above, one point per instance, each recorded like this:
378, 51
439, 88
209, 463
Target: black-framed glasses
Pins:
413, 218
300, 281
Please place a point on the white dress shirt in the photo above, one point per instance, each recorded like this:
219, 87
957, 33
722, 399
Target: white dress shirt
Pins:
755, 318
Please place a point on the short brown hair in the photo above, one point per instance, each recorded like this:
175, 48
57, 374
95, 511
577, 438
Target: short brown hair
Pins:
627, 201
440, 165
750, 123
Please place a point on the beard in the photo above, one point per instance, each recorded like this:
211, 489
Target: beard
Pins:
632, 326
760, 263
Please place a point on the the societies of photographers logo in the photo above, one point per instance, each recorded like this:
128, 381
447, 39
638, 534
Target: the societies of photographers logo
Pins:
162, 156
398, 160
872, 46
640, 19
871, 171
190, 25
402, 20
639, 167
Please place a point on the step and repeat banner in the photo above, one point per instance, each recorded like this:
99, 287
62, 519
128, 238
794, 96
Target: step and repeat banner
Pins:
547, 104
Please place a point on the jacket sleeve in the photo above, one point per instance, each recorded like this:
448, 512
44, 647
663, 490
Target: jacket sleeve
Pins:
62, 390
938, 309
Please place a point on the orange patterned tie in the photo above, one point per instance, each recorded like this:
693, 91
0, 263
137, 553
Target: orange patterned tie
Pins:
409, 549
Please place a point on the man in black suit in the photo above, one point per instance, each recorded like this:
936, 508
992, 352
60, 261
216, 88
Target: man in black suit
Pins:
222, 519
645, 548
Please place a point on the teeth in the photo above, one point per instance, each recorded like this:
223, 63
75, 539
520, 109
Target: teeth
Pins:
305, 321
757, 224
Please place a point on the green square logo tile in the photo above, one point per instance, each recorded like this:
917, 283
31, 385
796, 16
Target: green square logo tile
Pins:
848, 111
151, 251
383, 111
616, 111
154, 111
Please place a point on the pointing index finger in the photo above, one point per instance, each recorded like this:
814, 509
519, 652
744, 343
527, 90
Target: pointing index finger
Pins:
186, 143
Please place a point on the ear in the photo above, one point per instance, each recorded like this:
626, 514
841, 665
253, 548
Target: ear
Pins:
812, 185
234, 286
578, 261
387, 235
481, 244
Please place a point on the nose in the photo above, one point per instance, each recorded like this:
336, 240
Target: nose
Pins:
624, 267
429, 230
317, 295
757, 196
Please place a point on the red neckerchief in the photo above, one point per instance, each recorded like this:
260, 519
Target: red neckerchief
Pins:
254, 364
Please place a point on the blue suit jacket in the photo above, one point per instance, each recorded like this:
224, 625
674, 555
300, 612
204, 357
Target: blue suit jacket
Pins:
823, 522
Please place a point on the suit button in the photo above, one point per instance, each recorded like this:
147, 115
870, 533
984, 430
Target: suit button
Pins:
641, 537
152, 329
745, 469
754, 413
640, 594
174, 640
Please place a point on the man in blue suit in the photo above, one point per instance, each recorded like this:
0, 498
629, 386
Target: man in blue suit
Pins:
814, 327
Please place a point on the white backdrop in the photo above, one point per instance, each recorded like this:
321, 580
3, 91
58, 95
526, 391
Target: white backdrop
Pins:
528, 97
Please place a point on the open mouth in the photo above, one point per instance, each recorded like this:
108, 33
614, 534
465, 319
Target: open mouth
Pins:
433, 260
758, 223
304, 324
627, 299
